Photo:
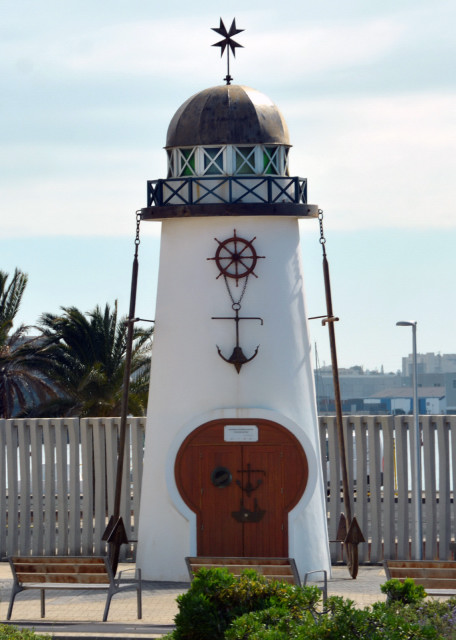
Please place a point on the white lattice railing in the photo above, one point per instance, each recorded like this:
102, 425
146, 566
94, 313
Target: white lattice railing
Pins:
57, 482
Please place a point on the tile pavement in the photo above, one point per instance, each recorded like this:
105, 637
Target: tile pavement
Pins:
77, 614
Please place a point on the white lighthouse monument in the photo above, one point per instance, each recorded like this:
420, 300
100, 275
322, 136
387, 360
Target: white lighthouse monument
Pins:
232, 462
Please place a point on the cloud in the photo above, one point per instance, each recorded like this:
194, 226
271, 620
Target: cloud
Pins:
318, 48
77, 192
370, 162
142, 47
384, 162
163, 48
366, 92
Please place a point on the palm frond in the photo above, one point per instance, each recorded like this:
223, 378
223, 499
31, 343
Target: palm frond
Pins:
84, 356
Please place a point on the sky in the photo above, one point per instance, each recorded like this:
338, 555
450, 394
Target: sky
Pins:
87, 90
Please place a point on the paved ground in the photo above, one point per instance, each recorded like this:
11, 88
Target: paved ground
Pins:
74, 614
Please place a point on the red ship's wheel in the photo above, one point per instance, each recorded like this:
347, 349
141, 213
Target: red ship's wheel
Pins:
236, 258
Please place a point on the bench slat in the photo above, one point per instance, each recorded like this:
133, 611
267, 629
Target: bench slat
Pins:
281, 569
69, 572
420, 564
72, 578
69, 586
438, 577
435, 583
71, 560
236, 560
416, 574
27, 567
239, 568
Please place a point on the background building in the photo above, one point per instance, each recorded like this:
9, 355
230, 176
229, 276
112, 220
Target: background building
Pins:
399, 401
430, 363
375, 392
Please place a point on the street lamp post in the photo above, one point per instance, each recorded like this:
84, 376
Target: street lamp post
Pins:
417, 540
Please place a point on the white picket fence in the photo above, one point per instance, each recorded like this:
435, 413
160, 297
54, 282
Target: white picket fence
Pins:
380, 482
57, 483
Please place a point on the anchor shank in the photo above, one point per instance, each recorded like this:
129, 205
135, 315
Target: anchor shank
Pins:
118, 536
337, 398
237, 358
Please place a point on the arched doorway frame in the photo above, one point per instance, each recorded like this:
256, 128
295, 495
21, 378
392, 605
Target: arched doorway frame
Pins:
243, 414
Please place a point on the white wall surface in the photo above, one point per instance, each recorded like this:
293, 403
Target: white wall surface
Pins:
189, 380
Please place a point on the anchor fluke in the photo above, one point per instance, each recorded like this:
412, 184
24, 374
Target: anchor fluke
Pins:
246, 515
354, 534
237, 358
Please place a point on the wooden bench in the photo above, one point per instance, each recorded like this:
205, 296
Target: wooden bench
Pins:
283, 569
70, 572
438, 577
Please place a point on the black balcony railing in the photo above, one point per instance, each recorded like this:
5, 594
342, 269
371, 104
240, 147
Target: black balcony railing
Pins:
226, 190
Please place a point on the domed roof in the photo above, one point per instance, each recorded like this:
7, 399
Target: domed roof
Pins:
227, 114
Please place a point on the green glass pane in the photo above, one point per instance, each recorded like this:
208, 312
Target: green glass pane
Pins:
270, 161
213, 170
213, 161
189, 167
212, 152
244, 156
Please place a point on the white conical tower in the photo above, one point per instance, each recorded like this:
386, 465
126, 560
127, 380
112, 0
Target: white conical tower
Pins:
232, 463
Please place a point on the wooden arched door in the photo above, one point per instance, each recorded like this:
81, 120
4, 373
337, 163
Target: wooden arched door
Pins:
241, 478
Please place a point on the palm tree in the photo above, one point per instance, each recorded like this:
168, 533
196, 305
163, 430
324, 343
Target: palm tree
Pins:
10, 299
84, 356
20, 383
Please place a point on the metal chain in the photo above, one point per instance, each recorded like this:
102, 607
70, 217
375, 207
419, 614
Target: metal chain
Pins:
137, 240
322, 235
238, 303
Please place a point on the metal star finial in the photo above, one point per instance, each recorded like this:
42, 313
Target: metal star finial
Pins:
227, 42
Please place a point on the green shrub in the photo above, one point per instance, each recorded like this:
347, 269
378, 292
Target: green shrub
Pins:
216, 598
440, 614
341, 620
220, 606
378, 622
406, 592
10, 632
275, 623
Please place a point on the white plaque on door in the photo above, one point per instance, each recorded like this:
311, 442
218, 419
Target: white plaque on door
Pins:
241, 433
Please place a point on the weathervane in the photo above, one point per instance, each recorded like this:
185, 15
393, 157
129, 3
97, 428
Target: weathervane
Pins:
227, 41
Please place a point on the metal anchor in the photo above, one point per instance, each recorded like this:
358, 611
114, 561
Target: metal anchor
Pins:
249, 488
246, 515
237, 358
